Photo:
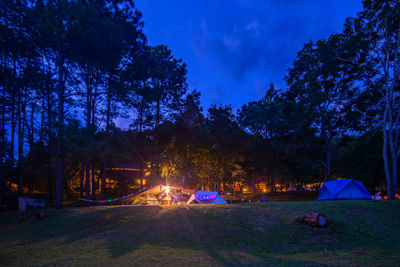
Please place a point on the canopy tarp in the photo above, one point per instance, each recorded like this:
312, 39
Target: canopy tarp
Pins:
154, 195
145, 199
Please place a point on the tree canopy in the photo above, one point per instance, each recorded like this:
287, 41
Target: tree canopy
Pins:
74, 72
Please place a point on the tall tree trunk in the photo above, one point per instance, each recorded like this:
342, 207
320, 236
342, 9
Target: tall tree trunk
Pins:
386, 163
103, 179
88, 124
108, 118
218, 175
93, 183
49, 150
87, 184
12, 137
93, 106
82, 179
49, 175
2, 143
3, 105
60, 152
31, 131
22, 140
2, 189
141, 119
20, 143
391, 187
42, 119
392, 194
141, 106
273, 184
158, 113
14, 95
3, 112
395, 83
328, 165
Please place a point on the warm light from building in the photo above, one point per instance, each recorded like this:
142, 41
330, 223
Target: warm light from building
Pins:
141, 181
13, 187
123, 169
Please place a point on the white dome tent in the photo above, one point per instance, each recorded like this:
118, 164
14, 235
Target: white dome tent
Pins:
204, 197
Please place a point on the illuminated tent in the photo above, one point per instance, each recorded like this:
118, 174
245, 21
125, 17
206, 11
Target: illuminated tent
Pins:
343, 189
157, 194
145, 199
204, 197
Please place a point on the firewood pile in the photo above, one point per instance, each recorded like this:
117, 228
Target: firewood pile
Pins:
314, 219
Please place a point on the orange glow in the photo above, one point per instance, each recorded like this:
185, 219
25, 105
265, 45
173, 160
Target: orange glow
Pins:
110, 183
167, 189
13, 187
140, 181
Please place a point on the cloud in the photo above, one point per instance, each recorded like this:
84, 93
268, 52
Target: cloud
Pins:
235, 48
232, 43
258, 35
254, 28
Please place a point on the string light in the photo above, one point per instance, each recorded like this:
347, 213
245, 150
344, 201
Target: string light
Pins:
116, 199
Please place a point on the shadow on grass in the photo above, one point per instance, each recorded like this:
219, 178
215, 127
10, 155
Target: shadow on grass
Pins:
230, 235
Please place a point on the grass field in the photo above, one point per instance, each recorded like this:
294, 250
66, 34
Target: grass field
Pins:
361, 233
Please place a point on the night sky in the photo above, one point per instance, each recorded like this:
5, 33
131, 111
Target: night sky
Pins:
234, 48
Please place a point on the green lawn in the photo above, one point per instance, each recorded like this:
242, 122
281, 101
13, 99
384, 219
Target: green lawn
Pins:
361, 233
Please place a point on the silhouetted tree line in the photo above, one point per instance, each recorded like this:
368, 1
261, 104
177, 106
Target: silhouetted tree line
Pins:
71, 70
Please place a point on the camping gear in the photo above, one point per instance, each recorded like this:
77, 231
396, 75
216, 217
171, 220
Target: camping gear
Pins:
343, 189
205, 197
40, 215
377, 196
24, 202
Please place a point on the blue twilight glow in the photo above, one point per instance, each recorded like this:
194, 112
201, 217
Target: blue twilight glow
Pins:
234, 48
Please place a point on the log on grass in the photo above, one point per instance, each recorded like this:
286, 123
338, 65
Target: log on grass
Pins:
315, 219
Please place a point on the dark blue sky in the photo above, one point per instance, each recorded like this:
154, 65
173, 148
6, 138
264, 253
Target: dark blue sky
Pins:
234, 48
